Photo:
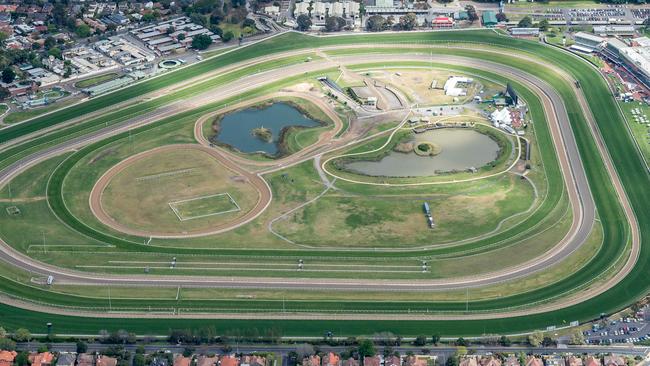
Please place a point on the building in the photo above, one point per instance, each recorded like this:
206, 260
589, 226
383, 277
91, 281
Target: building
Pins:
207, 361
229, 361
489, 18
311, 361
372, 361
586, 42
85, 359
272, 10
7, 358
533, 361
468, 361
512, 360
635, 58
41, 359
392, 361
331, 359
592, 361
614, 360
524, 32
443, 22
106, 361
615, 30
490, 361
456, 86
574, 361
180, 360
66, 359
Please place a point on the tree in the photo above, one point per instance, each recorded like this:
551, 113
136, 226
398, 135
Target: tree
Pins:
83, 31
376, 23
22, 335
548, 342
228, 36
139, 360
202, 41
462, 342
7, 344
408, 22
4, 93
49, 42
420, 341
505, 341
525, 22
366, 349
543, 25
8, 75
82, 347
535, 339
501, 17
334, 24
435, 339
472, 16
3, 332
451, 361
577, 338
22, 359
304, 22
56, 52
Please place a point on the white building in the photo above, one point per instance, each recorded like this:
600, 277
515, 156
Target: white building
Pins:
272, 10
501, 117
586, 42
451, 86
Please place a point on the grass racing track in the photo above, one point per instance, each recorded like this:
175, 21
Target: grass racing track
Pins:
622, 151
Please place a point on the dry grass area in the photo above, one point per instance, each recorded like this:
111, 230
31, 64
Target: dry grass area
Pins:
139, 195
417, 85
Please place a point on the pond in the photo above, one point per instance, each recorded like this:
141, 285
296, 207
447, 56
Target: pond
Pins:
237, 128
460, 149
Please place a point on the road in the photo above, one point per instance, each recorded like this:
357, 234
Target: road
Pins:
571, 165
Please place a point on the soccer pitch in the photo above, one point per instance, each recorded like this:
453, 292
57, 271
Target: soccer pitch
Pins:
204, 206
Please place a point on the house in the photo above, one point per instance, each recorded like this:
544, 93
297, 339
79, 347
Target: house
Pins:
512, 360
442, 22
592, 361
350, 362
489, 19
41, 359
392, 361
207, 361
419, 360
253, 360
533, 361
614, 360
331, 359
179, 360
229, 361
106, 361
85, 359
311, 361
489, 361
553, 360
574, 361
7, 357
66, 359
468, 361
372, 361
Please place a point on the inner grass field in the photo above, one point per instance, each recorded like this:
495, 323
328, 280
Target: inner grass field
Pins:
177, 190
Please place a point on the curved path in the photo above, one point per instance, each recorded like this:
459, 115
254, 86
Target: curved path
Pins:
571, 166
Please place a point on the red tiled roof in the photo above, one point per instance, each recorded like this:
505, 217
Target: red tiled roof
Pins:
229, 361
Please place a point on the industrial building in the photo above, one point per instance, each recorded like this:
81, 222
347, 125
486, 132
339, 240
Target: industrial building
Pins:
615, 30
489, 18
634, 57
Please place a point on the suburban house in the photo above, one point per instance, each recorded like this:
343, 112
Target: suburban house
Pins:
574, 361
614, 360
7, 358
512, 360
534, 361
592, 361
85, 359
207, 361
331, 359
253, 360
489, 361
468, 361
66, 359
392, 361
106, 361
372, 361
179, 360
311, 361
229, 361
350, 362
41, 359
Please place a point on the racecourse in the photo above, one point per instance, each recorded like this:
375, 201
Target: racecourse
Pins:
589, 133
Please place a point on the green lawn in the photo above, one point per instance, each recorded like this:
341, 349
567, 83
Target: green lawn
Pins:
85, 83
640, 129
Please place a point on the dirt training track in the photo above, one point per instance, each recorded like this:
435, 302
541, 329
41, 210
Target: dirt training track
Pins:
570, 163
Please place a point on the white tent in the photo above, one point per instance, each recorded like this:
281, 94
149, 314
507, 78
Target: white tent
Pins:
501, 116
